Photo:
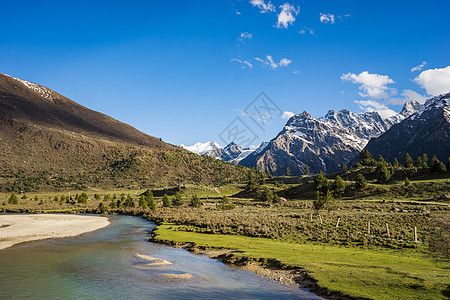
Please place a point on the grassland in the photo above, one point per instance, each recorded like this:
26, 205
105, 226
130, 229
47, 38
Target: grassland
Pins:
339, 260
369, 273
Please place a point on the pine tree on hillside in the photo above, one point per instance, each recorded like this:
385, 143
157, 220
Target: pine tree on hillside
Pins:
436, 165
408, 161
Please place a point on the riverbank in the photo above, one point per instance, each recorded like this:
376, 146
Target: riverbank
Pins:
15, 229
335, 272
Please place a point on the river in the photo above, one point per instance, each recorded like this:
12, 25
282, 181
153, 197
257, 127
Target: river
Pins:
103, 265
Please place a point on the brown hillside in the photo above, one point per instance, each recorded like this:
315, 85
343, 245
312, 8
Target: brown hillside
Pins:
49, 142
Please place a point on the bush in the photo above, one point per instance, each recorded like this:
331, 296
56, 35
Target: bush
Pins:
226, 204
195, 201
13, 199
166, 201
267, 195
177, 200
360, 182
102, 208
321, 182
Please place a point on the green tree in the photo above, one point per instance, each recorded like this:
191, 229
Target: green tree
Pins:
195, 201
151, 203
113, 204
339, 186
83, 198
143, 202
383, 174
408, 161
56, 199
177, 200
360, 182
344, 167
321, 182
407, 182
319, 202
288, 171
128, 201
306, 170
448, 165
267, 195
276, 198
102, 208
13, 199
166, 201
365, 158
437, 166
97, 197
251, 185
226, 204
395, 163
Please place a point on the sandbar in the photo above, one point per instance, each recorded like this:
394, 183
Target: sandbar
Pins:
15, 229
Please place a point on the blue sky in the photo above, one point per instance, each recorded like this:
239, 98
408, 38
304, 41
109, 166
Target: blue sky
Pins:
184, 70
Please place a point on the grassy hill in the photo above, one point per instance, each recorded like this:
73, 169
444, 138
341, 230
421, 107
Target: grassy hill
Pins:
49, 142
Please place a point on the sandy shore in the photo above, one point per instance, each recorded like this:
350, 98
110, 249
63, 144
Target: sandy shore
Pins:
16, 229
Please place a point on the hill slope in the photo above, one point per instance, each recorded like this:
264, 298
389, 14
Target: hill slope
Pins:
426, 131
48, 141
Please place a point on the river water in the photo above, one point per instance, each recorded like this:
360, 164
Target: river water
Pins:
103, 265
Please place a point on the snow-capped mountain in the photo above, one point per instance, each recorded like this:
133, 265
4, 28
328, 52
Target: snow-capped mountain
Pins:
426, 129
207, 148
232, 152
322, 144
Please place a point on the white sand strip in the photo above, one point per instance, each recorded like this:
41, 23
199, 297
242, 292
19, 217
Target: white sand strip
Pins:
16, 229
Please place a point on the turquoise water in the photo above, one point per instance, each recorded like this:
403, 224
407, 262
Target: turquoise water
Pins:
103, 265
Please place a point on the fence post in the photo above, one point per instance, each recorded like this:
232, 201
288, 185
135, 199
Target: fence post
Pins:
310, 217
337, 223
387, 230
368, 228
415, 235
320, 218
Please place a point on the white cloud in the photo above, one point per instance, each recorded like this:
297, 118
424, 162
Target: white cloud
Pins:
284, 62
435, 81
296, 72
413, 96
244, 63
419, 67
381, 109
238, 12
371, 85
245, 36
264, 8
287, 115
304, 30
269, 61
327, 18
407, 96
287, 15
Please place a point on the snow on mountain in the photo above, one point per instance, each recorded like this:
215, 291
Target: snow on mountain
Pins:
203, 148
232, 152
324, 143
39, 89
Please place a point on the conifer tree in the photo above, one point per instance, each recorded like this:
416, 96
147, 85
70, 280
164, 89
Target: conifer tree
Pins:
408, 161
166, 201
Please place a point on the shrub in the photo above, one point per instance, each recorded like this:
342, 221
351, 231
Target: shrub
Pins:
166, 201
177, 200
195, 201
13, 199
321, 182
360, 182
226, 204
267, 195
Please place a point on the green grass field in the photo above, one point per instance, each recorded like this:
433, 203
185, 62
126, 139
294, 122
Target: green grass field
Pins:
361, 273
